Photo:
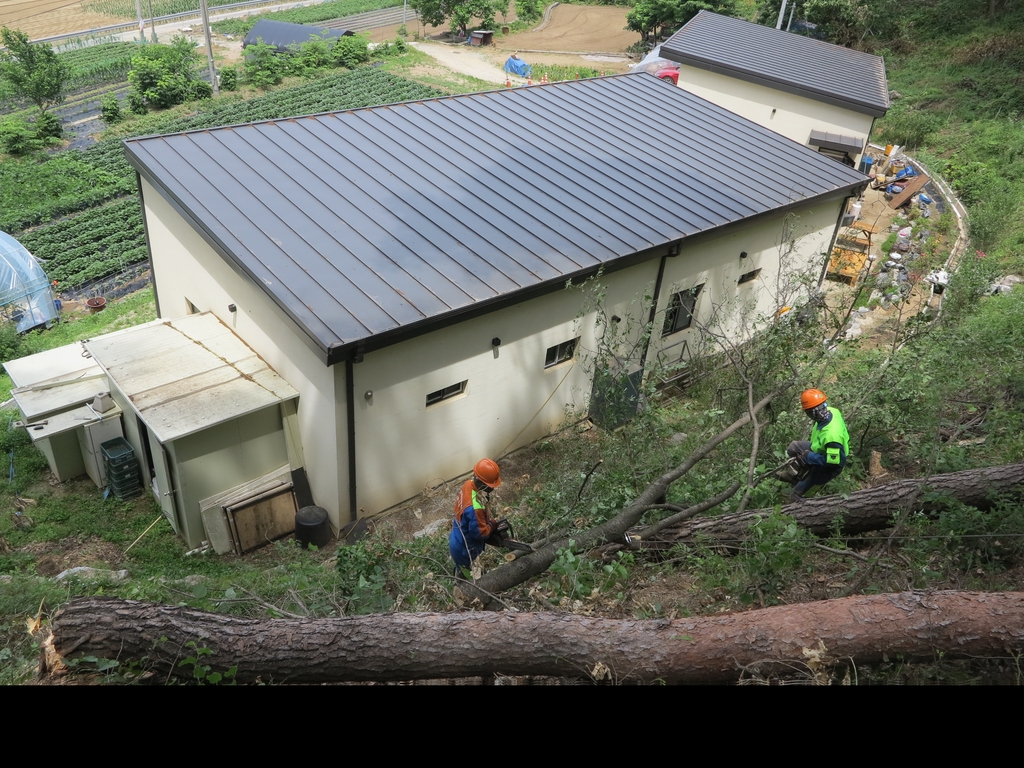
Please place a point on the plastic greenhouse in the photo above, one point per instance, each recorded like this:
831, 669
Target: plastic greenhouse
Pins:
25, 296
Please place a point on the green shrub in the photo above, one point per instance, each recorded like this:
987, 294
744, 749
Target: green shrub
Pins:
10, 342
351, 51
110, 110
17, 137
263, 67
137, 103
229, 79
47, 126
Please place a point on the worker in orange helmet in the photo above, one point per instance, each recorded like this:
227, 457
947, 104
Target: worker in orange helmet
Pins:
824, 455
473, 525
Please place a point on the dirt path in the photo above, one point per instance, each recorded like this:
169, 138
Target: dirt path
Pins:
465, 60
575, 36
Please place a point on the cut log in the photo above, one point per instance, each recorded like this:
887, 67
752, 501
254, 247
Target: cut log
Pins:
867, 510
409, 646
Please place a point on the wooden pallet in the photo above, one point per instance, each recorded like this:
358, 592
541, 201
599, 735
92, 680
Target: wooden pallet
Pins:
846, 265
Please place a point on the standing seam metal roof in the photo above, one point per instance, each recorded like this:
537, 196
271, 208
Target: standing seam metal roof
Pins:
792, 62
360, 224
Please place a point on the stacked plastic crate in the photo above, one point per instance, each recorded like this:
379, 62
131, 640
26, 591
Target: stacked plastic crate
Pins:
123, 477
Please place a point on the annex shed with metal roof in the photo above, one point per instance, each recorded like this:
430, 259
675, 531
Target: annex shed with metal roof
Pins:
404, 267
752, 69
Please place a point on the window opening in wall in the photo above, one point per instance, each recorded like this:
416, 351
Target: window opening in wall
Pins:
191, 308
679, 315
748, 276
447, 393
560, 352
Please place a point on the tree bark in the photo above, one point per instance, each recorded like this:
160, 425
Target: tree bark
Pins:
412, 646
867, 510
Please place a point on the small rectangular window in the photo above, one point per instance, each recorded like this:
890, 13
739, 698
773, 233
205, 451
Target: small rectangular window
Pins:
560, 352
447, 393
679, 315
747, 277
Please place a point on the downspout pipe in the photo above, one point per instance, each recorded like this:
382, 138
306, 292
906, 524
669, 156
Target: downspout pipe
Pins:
673, 251
350, 407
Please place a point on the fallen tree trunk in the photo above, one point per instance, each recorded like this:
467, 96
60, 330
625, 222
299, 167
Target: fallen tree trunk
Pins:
867, 510
428, 646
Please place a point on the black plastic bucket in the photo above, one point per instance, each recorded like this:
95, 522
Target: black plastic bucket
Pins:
312, 527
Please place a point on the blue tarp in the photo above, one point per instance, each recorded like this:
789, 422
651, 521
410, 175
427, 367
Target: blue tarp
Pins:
517, 66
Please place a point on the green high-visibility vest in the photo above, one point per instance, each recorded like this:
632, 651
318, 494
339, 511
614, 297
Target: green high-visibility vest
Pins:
833, 432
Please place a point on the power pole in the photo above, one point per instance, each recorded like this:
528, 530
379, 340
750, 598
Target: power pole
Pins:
142, 24
209, 46
152, 21
782, 15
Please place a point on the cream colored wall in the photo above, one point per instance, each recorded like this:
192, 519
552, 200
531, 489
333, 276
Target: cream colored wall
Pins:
795, 116
739, 309
222, 457
186, 267
403, 445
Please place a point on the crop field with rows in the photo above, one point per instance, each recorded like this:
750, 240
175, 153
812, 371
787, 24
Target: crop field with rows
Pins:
307, 15
92, 244
94, 241
125, 9
104, 63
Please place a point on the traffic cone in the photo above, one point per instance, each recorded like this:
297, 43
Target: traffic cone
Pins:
544, 79
577, 75
508, 81
602, 73
529, 80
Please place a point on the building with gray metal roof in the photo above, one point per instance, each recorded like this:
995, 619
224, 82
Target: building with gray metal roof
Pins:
367, 225
822, 95
404, 267
789, 62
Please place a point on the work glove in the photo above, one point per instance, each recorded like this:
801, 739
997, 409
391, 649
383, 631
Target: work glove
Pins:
802, 458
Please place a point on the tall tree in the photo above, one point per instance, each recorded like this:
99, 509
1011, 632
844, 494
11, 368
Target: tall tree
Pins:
652, 18
458, 12
34, 71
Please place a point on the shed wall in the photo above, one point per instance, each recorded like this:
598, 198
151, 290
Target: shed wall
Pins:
795, 116
189, 271
212, 461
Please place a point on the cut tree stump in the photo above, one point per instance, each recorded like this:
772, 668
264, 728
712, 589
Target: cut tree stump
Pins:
409, 646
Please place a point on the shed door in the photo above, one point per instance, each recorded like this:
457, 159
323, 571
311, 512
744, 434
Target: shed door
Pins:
163, 486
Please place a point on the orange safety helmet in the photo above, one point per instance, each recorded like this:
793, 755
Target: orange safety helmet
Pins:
811, 398
487, 472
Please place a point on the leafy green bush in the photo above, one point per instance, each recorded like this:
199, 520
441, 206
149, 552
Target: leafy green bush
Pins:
110, 110
165, 75
529, 10
18, 137
47, 126
263, 67
228, 79
351, 51
137, 103
10, 343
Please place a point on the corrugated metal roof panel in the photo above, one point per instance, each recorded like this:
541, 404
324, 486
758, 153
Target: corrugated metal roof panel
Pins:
189, 374
364, 223
793, 62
